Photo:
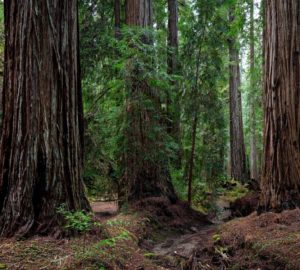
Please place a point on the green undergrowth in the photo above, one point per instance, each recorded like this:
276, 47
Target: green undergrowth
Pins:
236, 191
207, 196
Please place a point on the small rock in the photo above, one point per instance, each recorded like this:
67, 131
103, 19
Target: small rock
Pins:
194, 229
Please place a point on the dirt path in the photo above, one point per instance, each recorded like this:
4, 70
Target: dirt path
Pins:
199, 237
186, 244
105, 209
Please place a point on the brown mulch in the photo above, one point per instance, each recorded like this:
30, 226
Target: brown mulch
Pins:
266, 242
83, 252
170, 215
39, 253
246, 205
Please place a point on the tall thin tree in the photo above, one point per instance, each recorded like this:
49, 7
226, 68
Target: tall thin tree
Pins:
252, 118
237, 145
173, 95
41, 144
117, 12
281, 168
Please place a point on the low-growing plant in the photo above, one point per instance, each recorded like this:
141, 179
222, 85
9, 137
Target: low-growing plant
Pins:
111, 242
78, 221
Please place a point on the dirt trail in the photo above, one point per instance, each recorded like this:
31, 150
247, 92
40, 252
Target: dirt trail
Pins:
199, 237
105, 209
183, 245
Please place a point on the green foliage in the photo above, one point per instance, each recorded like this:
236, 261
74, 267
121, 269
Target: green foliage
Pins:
236, 192
216, 238
111, 242
77, 221
107, 62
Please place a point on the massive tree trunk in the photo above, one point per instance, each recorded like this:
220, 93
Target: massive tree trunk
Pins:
281, 171
41, 144
237, 146
173, 95
146, 167
252, 118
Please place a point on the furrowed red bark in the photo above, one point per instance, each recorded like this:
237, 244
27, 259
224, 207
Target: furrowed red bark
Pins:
281, 168
41, 144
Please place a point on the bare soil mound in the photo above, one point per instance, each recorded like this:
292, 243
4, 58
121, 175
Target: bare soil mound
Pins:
177, 215
244, 206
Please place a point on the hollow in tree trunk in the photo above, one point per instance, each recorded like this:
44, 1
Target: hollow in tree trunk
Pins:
41, 144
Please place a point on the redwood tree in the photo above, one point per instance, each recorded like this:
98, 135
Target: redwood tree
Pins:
41, 144
237, 145
281, 169
146, 166
117, 13
252, 117
173, 95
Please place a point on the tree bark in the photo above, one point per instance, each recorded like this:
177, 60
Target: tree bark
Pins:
237, 145
172, 36
281, 169
41, 143
173, 103
192, 157
253, 148
117, 10
146, 168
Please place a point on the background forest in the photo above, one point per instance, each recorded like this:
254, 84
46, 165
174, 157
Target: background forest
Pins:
199, 87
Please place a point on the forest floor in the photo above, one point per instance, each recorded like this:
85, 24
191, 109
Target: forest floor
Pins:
158, 235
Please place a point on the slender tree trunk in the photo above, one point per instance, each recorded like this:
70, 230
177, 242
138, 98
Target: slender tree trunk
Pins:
173, 36
237, 146
146, 167
253, 149
281, 170
192, 157
41, 144
190, 167
173, 95
117, 9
